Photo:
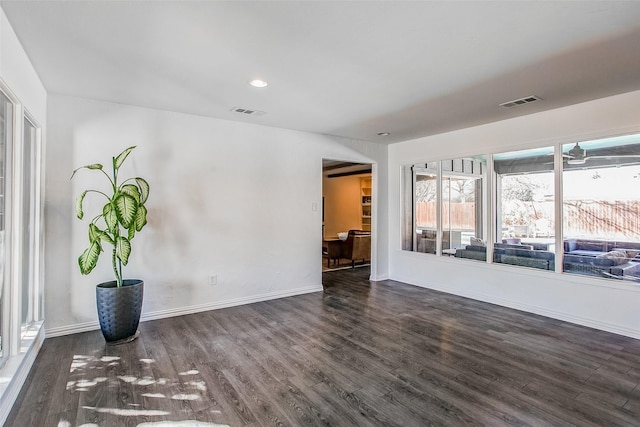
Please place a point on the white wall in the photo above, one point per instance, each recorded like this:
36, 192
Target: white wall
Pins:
18, 73
227, 198
607, 305
19, 76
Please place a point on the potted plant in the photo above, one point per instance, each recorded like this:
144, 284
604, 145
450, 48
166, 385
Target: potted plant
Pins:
124, 214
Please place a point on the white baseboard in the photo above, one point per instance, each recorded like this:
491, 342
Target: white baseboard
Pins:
71, 329
181, 311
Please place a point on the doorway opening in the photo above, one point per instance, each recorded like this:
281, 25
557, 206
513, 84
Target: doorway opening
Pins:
347, 213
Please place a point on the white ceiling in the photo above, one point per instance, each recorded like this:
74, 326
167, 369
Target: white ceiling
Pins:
347, 68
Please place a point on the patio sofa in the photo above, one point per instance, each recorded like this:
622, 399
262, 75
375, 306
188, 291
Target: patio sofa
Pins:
602, 258
597, 247
476, 252
523, 254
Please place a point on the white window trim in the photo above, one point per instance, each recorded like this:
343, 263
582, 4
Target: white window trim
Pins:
36, 232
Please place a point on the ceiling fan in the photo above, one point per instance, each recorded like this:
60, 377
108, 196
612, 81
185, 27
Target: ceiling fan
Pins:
578, 156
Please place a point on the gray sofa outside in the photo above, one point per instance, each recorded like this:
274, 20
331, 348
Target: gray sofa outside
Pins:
523, 254
613, 259
588, 257
602, 258
472, 252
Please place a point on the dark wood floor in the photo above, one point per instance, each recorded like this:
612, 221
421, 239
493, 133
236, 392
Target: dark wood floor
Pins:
358, 354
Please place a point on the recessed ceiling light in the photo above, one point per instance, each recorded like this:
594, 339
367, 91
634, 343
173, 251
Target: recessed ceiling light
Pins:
383, 134
258, 83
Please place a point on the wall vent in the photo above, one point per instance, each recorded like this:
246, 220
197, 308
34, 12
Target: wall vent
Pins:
248, 111
521, 101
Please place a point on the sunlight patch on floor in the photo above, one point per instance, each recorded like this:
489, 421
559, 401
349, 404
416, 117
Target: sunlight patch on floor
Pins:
187, 423
128, 412
199, 385
154, 395
81, 361
184, 423
185, 396
107, 374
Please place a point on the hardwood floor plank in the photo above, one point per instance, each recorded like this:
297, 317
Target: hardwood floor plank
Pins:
266, 410
357, 354
38, 406
233, 408
334, 413
567, 398
163, 371
77, 370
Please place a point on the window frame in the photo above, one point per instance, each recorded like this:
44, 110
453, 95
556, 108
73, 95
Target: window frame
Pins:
436, 169
8, 340
35, 194
499, 201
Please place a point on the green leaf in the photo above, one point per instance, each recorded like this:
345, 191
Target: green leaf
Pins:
89, 258
125, 207
144, 189
93, 166
79, 200
141, 217
132, 233
107, 208
117, 161
131, 190
123, 249
112, 220
98, 235
105, 236
94, 233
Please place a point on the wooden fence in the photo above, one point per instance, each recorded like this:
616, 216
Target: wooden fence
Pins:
615, 219
462, 215
619, 219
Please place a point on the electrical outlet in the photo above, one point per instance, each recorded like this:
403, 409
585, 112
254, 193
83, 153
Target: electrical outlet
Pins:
213, 280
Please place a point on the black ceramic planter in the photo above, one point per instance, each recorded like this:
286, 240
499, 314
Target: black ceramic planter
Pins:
119, 309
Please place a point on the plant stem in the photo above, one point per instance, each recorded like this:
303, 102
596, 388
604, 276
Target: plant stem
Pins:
119, 273
117, 263
107, 175
114, 263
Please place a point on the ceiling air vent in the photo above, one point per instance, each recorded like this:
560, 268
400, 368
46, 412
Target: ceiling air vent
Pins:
248, 111
521, 101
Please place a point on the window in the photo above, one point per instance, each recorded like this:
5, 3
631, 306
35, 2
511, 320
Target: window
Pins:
463, 208
601, 207
525, 208
599, 234
447, 210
